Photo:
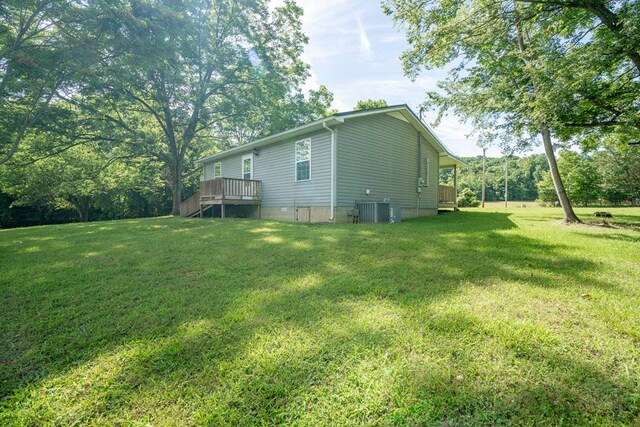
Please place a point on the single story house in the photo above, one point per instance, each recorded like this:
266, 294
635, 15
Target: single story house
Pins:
375, 165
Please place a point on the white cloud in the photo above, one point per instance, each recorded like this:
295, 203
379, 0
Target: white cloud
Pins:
365, 45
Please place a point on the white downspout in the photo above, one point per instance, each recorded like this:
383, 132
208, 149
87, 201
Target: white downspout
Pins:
333, 167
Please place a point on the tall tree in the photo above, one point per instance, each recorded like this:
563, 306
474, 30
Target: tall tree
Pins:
503, 76
171, 71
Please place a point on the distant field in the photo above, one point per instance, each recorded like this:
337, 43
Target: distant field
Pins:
484, 317
511, 204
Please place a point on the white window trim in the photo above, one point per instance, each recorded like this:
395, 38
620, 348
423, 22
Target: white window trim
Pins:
295, 162
214, 170
245, 157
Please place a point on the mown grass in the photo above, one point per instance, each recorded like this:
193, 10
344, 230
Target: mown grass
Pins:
471, 318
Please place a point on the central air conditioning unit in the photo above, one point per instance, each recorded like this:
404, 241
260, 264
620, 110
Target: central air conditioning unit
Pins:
379, 212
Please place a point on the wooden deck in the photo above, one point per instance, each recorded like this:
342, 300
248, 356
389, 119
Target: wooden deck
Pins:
447, 197
222, 191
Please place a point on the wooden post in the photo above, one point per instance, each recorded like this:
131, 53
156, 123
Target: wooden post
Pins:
222, 210
484, 173
455, 185
506, 184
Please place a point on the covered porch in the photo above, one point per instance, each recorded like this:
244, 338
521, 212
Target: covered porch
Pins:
448, 194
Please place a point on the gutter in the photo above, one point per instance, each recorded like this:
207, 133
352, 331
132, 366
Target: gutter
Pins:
419, 183
333, 170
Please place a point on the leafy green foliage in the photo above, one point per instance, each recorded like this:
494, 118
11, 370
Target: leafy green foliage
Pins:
610, 176
467, 199
41, 51
158, 81
580, 176
275, 115
618, 165
524, 174
547, 195
497, 78
184, 67
370, 104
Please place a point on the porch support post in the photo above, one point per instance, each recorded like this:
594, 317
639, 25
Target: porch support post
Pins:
455, 185
222, 210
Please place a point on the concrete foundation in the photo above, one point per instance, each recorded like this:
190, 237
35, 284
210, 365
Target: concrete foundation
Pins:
320, 214
414, 213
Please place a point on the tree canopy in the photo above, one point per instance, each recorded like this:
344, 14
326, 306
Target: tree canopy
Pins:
159, 81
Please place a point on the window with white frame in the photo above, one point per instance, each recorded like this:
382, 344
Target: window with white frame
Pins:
247, 166
303, 160
217, 170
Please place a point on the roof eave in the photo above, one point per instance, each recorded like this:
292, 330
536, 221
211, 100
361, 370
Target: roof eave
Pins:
300, 130
450, 161
338, 118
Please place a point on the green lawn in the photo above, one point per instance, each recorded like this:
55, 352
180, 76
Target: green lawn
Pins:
499, 317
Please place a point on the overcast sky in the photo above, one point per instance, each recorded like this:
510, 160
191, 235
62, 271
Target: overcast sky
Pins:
354, 50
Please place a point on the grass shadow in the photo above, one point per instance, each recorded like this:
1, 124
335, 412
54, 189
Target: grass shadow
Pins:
255, 321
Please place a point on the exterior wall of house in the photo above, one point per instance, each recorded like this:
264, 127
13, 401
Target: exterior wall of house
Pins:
377, 152
275, 167
380, 153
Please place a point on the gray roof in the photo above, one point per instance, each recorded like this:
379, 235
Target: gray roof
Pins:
401, 111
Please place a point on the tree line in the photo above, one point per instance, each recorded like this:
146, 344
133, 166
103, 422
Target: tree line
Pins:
607, 176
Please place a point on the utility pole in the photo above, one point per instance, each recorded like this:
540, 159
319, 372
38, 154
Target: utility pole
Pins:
484, 172
506, 182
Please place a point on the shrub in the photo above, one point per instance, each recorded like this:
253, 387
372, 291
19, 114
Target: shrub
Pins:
468, 199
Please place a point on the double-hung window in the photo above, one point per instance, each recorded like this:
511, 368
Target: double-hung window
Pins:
247, 166
217, 170
303, 160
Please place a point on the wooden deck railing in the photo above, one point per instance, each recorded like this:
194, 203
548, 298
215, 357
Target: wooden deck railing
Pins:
447, 194
222, 191
191, 205
230, 188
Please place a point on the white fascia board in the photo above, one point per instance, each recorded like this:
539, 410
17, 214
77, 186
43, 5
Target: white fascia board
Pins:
448, 161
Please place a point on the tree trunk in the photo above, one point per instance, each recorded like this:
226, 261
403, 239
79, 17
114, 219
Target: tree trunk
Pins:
569, 216
176, 190
82, 208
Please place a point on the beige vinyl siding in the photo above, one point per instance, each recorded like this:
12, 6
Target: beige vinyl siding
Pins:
275, 167
380, 153
231, 167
